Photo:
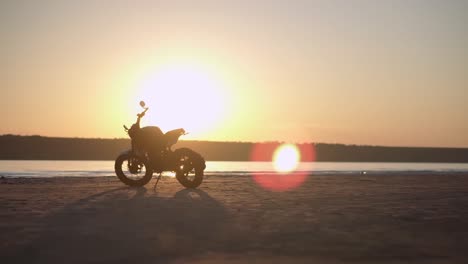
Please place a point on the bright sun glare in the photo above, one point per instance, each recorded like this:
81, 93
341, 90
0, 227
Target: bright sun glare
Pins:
184, 95
286, 158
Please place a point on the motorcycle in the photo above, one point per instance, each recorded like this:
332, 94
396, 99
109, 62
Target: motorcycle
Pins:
151, 152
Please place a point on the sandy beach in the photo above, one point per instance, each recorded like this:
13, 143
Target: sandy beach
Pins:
230, 219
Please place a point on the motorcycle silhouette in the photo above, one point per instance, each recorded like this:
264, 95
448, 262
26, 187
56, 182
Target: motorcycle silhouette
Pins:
151, 152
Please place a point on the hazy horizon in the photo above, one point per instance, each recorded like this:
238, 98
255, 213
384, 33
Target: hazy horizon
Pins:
364, 73
238, 141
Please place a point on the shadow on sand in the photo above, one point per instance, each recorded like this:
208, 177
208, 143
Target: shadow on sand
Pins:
128, 225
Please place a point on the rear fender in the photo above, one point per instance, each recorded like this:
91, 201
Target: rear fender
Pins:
200, 161
130, 152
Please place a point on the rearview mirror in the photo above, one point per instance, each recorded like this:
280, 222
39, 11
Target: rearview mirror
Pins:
142, 104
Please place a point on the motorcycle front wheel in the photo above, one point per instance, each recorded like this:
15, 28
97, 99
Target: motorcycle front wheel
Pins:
132, 170
190, 166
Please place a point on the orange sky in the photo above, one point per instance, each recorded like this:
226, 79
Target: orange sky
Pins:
324, 71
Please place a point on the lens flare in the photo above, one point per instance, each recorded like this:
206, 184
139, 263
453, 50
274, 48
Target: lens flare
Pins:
285, 159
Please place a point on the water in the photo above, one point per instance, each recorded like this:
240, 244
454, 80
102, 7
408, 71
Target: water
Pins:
41, 168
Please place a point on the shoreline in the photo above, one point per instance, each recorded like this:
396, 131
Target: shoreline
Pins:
250, 174
338, 219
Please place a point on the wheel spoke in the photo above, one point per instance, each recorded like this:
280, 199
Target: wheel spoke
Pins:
134, 169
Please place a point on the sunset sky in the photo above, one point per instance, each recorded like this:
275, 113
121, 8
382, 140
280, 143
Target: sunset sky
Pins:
355, 72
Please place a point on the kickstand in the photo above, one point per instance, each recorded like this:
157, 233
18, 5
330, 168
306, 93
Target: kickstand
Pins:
156, 184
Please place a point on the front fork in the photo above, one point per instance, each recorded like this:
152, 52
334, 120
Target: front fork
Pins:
133, 166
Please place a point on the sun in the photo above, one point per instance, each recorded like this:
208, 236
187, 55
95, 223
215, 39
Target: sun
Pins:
187, 95
286, 158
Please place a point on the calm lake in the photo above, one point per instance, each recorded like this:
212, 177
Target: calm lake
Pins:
47, 168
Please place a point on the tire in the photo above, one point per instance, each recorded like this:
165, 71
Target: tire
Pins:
190, 166
139, 175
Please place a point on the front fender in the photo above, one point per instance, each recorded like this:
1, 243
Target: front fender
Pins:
130, 152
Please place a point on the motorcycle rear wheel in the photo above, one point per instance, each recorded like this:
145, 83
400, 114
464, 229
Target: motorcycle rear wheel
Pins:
132, 170
190, 167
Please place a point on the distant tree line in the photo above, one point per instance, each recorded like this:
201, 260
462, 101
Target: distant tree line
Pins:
13, 147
